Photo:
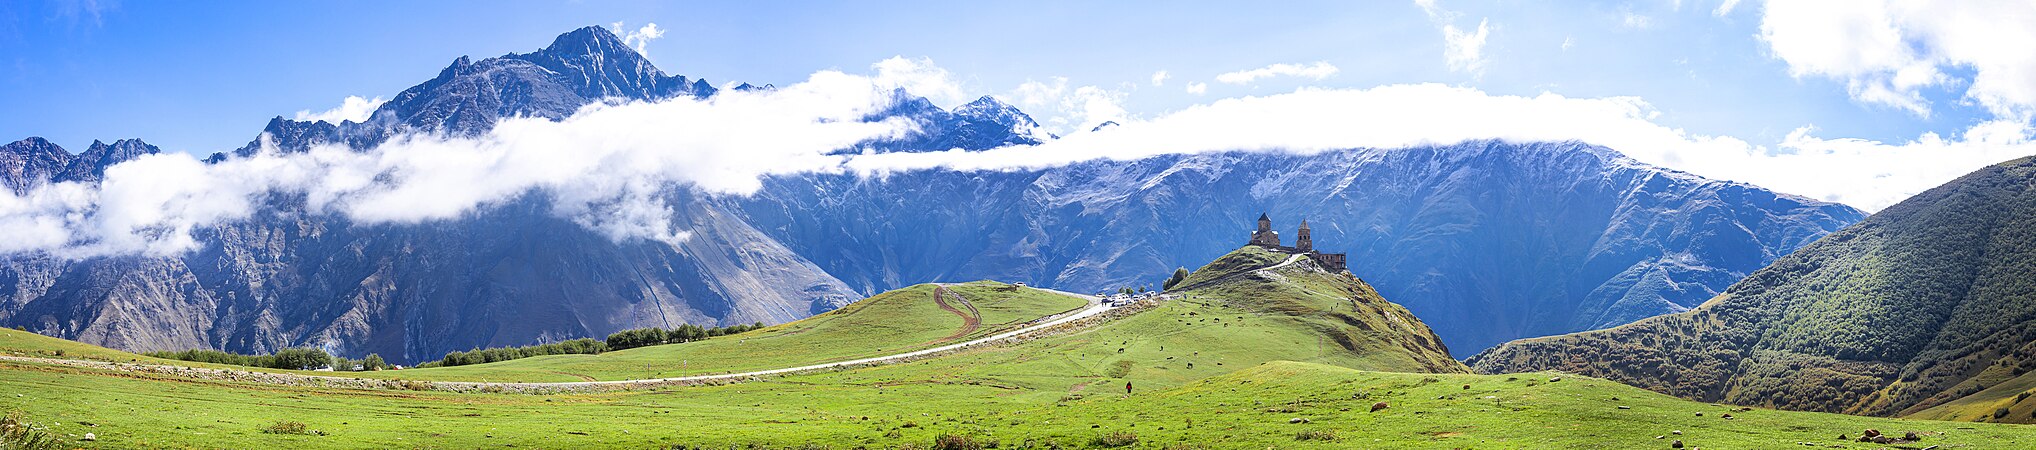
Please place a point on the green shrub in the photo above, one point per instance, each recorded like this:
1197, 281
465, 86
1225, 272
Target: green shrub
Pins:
582, 346
17, 434
289, 358
2000, 413
291, 427
642, 337
956, 442
1180, 274
1116, 439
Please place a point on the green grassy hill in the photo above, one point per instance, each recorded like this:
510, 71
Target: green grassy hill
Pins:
1912, 311
1287, 358
1337, 308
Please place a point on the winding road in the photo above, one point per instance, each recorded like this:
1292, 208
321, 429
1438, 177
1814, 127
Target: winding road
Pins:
1095, 306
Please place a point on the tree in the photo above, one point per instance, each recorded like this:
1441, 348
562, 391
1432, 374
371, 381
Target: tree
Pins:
374, 362
1180, 274
300, 359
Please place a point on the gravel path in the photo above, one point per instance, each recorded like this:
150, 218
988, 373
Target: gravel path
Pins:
1094, 308
970, 321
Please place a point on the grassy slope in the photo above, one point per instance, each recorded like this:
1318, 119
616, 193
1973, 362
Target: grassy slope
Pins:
1919, 305
1246, 408
2017, 396
1340, 310
893, 322
898, 321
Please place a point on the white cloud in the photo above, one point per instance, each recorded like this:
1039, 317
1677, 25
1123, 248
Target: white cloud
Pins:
638, 38
1635, 21
1869, 175
1159, 78
1568, 42
1872, 174
1198, 88
1318, 70
1888, 51
923, 78
1465, 50
604, 167
353, 108
1434, 11
1462, 50
1064, 110
1725, 8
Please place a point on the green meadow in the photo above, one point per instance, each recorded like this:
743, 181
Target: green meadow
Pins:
1290, 358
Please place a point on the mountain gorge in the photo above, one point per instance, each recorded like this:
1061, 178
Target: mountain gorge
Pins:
1486, 241
1915, 309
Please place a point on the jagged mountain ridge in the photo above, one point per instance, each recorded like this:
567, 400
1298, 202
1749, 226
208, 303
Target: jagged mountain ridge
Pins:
828, 238
34, 161
1920, 305
468, 97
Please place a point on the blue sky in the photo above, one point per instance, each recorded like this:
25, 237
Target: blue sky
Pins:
204, 77
1861, 90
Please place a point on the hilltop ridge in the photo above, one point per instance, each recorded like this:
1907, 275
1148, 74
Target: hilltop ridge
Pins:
1331, 302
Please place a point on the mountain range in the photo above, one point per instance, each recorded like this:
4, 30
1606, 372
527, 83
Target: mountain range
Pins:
1486, 241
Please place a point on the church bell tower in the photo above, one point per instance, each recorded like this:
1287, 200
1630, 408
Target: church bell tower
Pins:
1303, 241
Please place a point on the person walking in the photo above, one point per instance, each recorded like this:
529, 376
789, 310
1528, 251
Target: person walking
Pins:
1127, 388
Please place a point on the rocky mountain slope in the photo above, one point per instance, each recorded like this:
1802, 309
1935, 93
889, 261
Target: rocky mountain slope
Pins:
509, 275
1487, 241
1925, 303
